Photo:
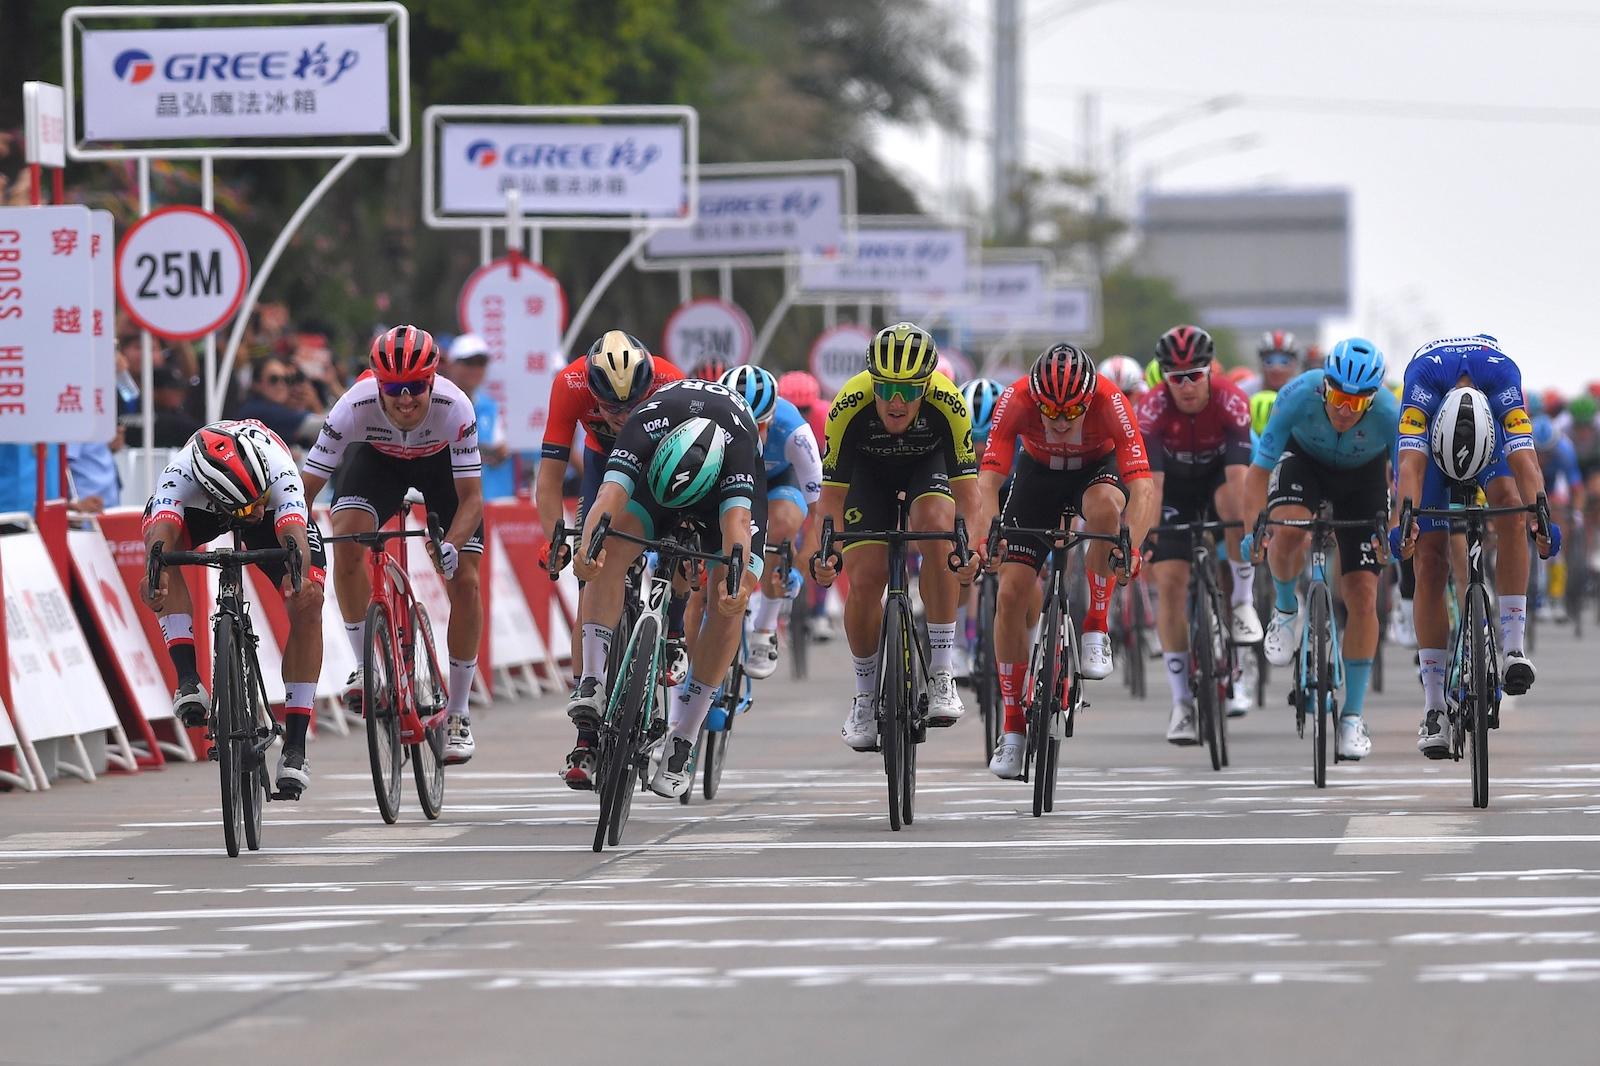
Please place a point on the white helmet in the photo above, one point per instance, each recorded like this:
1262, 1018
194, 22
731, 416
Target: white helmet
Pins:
1463, 439
1125, 373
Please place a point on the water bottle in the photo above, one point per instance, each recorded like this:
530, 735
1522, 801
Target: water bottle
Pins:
127, 389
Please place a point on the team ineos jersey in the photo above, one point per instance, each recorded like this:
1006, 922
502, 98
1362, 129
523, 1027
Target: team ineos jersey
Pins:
1186, 446
671, 405
855, 431
179, 490
358, 418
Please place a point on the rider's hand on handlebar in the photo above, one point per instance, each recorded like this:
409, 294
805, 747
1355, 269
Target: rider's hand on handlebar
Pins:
1549, 544
1401, 547
732, 606
968, 572
156, 598
821, 572
586, 570
446, 560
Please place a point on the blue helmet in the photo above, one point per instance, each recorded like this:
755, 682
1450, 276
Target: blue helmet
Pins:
982, 396
758, 388
1544, 433
1355, 365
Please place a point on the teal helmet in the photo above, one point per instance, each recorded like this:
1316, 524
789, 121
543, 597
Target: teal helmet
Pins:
687, 463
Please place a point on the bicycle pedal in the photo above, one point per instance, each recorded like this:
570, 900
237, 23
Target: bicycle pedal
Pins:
291, 795
211, 756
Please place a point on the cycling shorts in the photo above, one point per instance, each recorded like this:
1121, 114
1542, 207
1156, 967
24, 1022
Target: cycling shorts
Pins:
202, 527
870, 502
1359, 492
1186, 499
1041, 495
376, 483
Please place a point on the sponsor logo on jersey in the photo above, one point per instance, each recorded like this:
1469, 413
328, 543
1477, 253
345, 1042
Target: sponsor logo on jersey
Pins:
1517, 423
845, 402
331, 433
1413, 423
1511, 397
467, 430
657, 424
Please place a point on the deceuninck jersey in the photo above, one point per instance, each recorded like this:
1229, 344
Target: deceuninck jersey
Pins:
1438, 367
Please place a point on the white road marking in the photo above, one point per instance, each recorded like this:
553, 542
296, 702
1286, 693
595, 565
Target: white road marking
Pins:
1369, 834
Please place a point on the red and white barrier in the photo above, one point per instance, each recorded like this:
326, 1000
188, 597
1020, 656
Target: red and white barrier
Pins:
515, 642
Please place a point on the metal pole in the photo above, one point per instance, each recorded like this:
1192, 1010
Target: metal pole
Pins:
602, 283
1005, 154
485, 246
864, 314
214, 391
830, 314
147, 377
685, 286
535, 244
725, 282
259, 282
770, 326
514, 233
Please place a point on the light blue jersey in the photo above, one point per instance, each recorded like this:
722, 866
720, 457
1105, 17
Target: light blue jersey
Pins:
1299, 417
786, 418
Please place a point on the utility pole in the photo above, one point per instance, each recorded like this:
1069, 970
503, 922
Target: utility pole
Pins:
1006, 147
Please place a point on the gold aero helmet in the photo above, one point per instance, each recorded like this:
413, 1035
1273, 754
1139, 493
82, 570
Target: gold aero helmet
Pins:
902, 353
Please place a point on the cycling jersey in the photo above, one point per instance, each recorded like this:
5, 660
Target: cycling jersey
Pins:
1436, 368
855, 431
572, 402
1196, 445
1108, 426
791, 447
1560, 466
178, 490
743, 473
1300, 417
358, 418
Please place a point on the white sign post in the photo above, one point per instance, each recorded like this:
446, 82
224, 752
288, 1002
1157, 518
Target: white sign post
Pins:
181, 272
518, 308
708, 329
44, 109
838, 355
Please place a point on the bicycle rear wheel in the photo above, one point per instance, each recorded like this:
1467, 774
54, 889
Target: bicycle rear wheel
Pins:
1207, 707
1478, 694
893, 702
253, 785
1042, 706
1137, 643
381, 670
227, 689
1321, 681
797, 616
619, 734
427, 755
716, 756
985, 680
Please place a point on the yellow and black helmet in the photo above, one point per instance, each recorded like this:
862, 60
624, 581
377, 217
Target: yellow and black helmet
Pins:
902, 352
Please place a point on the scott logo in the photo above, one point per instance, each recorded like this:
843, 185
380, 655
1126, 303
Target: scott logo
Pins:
133, 66
482, 154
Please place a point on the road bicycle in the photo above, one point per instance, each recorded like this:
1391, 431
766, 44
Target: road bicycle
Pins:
1134, 615
902, 698
985, 677
404, 698
1211, 648
1319, 665
241, 728
1055, 681
636, 693
1472, 688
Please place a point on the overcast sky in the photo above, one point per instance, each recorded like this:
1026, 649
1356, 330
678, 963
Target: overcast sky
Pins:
1468, 132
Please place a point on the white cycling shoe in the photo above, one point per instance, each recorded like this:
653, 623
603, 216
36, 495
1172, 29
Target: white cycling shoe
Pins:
1006, 763
1283, 637
671, 767
1094, 655
944, 703
761, 661
1354, 742
459, 746
860, 729
1182, 727
1246, 624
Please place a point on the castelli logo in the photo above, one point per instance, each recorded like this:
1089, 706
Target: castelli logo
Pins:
134, 66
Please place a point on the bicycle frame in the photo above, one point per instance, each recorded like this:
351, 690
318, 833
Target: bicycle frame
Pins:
1205, 595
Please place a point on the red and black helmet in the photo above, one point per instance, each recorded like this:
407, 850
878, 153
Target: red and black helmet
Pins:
1062, 377
1184, 348
405, 353
226, 460
710, 368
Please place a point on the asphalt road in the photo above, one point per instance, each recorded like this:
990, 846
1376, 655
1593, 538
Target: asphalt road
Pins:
1165, 913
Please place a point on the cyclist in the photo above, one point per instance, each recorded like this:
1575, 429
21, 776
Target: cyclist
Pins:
899, 426
981, 396
1330, 439
1081, 449
1279, 354
804, 391
1558, 461
794, 481
710, 368
402, 426
689, 455
1583, 430
1126, 374
1463, 403
1197, 427
235, 476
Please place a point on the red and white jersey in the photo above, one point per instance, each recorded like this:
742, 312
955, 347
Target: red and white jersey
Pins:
1107, 426
358, 418
179, 490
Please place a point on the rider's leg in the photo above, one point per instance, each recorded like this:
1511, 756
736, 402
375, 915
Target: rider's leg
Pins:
1101, 507
936, 512
1360, 591
1511, 566
466, 628
177, 614
868, 567
784, 517
1286, 556
1230, 508
1430, 563
350, 582
714, 649
1016, 608
602, 601
302, 661
1171, 578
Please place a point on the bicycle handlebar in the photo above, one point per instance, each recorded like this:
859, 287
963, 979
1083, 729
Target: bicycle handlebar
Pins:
958, 557
1539, 508
375, 539
223, 559
669, 549
560, 554
1193, 528
1378, 524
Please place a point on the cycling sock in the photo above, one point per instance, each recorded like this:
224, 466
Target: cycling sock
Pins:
596, 648
689, 707
675, 608
356, 632
1431, 669
1513, 621
1099, 604
1357, 672
1177, 674
941, 646
178, 629
1283, 597
461, 671
866, 674
1010, 674
295, 725
764, 611
1244, 582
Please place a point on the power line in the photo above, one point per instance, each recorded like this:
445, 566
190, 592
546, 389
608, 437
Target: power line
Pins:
1367, 9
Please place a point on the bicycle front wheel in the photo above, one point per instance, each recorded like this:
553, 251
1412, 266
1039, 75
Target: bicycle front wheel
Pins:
1207, 707
893, 702
228, 694
1321, 682
1478, 694
1042, 708
985, 679
799, 616
619, 734
913, 725
253, 785
382, 671
427, 755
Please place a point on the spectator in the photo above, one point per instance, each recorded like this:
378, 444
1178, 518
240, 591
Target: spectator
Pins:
19, 477
313, 359
96, 484
467, 365
174, 422
278, 402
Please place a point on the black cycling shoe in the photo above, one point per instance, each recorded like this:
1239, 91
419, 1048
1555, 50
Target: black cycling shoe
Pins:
1518, 674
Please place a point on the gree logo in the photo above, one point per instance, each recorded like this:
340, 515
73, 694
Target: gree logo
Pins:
482, 153
133, 66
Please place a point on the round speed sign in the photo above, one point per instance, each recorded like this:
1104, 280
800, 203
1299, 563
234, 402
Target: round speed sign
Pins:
181, 272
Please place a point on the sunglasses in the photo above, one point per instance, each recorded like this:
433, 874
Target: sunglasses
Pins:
1071, 412
249, 512
909, 391
1278, 359
615, 410
274, 379
1354, 402
407, 388
1186, 377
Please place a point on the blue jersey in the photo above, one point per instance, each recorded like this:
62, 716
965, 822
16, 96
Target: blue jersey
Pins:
1438, 367
786, 418
1299, 417
1560, 463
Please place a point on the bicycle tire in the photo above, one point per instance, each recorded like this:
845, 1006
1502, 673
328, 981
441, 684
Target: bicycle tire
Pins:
381, 669
912, 725
1202, 646
1322, 681
1041, 703
1477, 695
891, 694
1139, 653
619, 734
799, 638
986, 679
253, 786
226, 690
716, 758
427, 755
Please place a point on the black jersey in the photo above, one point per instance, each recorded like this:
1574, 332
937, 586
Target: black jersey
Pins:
743, 477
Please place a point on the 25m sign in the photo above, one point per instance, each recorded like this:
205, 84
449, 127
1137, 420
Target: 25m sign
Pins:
182, 272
